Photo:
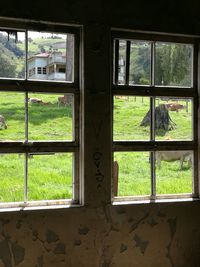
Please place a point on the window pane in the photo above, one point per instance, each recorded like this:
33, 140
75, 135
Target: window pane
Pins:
132, 176
129, 112
173, 64
12, 118
140, 57
50, 56
12, 54
174, 172
50, 117
50, 176
173, 118
11, 178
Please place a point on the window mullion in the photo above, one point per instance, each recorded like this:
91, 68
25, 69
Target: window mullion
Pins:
26, 55
152, 70
26, 117
26, 178
152, 127
128, 49
153, 175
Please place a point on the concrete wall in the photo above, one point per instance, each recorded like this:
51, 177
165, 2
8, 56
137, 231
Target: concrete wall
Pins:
100, 234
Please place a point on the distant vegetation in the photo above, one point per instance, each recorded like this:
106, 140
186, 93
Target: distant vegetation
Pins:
173, 63
12, 53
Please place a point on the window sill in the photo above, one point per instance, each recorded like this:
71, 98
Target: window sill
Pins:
156, 201
37, 205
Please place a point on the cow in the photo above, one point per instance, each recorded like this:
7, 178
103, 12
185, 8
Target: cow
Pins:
38, 101
65, 100
182, 156
35, 100
62, 100
174, 106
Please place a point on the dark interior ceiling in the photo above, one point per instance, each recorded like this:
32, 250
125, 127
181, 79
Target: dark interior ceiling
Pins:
166, 16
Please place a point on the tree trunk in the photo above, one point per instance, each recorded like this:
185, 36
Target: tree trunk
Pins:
162, 119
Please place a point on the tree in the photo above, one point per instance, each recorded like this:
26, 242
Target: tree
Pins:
7, 65
140, 63
173, 64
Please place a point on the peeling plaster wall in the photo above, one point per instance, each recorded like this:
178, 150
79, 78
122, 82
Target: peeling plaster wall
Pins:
159, 235
99, 234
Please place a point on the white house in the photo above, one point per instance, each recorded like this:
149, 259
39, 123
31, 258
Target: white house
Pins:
47, 66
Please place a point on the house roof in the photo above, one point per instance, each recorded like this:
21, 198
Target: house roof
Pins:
44, 55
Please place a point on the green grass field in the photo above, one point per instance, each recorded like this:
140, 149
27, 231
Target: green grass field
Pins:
134, 167
50, 176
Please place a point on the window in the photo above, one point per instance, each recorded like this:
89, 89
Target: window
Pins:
154, 113
61, 70
39, 119
39, 70
44, 70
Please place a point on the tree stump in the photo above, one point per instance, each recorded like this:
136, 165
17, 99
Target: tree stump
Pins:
162, 119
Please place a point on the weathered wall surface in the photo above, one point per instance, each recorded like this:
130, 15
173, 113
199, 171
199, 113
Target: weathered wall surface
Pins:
153, 236
99, 234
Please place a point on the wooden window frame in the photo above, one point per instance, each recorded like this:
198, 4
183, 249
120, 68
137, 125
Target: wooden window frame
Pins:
153, 91
39, 86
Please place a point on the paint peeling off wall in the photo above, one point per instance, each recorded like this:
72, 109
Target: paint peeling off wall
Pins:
157, 237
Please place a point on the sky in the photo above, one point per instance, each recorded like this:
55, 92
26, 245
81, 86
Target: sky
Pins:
34, 34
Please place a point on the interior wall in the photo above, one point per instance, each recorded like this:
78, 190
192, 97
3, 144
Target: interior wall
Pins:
140, 235
100, 234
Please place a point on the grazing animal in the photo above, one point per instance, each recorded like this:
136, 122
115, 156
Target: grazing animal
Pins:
174, 155
38, 101
35, 100
174, 106
62, 100
3, 124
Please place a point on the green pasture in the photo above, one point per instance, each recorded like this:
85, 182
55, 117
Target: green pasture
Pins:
50, 176
134, 167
